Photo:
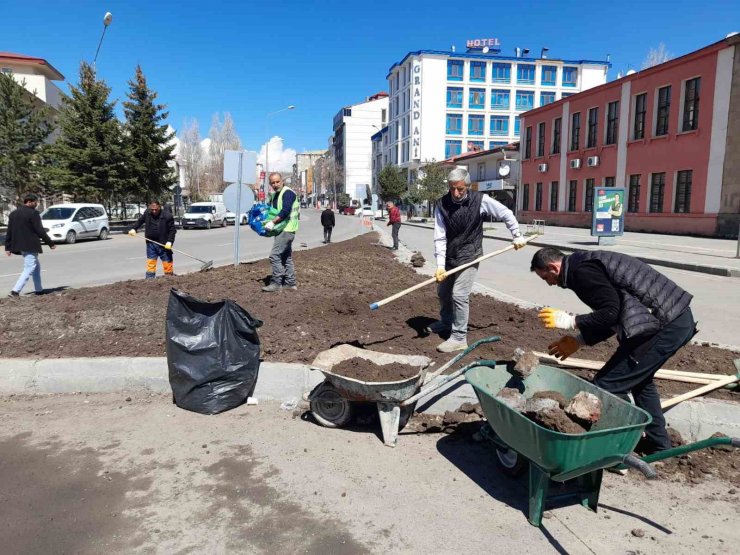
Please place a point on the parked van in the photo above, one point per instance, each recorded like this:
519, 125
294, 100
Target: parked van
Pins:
205, 215
66, 223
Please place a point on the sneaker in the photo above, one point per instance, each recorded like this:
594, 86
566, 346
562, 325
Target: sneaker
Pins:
438, 327
14, 294
291, 287
271, 288
451, 345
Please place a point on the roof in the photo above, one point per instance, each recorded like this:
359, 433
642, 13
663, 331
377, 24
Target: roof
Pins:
31, 60
494, 57
379, 134
470, 155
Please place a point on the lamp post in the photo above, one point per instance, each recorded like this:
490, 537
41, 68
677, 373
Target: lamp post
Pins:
107, 18
267, 145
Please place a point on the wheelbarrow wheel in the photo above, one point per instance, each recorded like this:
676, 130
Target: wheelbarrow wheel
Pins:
328, 406
511, 462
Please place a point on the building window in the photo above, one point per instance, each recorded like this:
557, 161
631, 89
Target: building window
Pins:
476, 124
638, 131
500, 99
549, 76
541, 139
570, 76
524, 100
477, 99
499, 125
538, 198
454, 124
691, 105
454, 97
528, 144
566, 95
633, 199
383, 116
475, 146
525, 197
7, 71
452, 148
481, 171
609, 181
477, 71
554, 196
664, 110
657, 191
556, 130
683, 192
517, 125
575, 131
588, 204
572, 195
547, 98
525, 74
612, 119
501, 73
593, 127
454, 70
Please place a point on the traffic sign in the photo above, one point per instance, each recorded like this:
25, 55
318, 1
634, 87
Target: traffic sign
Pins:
231, 199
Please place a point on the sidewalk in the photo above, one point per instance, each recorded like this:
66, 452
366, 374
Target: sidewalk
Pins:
696, 254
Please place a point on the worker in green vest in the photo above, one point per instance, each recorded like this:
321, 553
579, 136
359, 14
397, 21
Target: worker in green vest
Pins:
286, 203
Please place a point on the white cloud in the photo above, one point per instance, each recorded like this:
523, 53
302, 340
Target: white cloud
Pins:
281, 159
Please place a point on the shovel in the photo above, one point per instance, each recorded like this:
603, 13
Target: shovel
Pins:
205, 265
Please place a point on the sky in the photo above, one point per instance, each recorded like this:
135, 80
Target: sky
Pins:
253, 58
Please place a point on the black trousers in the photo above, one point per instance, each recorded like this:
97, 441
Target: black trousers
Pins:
394, 233
327, 234
631, 370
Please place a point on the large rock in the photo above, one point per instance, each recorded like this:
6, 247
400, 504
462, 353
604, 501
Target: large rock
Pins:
539, 404
526, 364
555, 419
511, 397
584, 408
554, 395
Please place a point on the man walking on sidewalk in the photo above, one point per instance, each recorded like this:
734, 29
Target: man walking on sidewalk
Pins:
286, 203
327, 220
23, 237
648, 312
159, 226
458, 239
394, 220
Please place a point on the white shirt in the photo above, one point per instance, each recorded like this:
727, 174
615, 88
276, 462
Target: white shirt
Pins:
488, 206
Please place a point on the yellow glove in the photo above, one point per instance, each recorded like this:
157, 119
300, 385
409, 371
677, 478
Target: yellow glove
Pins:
132, 232
564, 347
168, 246
519, 242
554, 318
440, 274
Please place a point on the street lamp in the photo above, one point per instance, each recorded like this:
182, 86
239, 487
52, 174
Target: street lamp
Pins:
267, 145
107, 18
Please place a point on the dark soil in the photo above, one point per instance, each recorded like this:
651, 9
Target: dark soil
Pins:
366, 371
336, 284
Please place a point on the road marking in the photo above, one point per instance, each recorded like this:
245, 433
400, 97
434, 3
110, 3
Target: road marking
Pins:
17, 274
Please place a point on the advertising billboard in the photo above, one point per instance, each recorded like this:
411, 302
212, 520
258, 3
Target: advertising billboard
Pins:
608, 212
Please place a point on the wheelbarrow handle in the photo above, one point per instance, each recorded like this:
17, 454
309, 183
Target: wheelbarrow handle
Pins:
447, 379
466, 352
638, 464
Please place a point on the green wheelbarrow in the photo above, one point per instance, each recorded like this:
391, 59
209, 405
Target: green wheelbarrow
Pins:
555, 457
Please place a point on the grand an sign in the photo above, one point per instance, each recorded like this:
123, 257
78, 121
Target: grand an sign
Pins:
416, 110
483, 43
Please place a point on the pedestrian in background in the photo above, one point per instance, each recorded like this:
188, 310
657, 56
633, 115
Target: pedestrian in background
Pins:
24, 235
285, 201
159, 226
394, 220
327, 220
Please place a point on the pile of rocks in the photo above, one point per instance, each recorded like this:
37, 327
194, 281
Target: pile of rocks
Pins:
553, 411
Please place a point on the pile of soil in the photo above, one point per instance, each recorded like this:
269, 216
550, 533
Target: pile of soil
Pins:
367, 371
336, 283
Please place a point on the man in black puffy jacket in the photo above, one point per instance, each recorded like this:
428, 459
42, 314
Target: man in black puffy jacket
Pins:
327, 220
648, 312
159, 226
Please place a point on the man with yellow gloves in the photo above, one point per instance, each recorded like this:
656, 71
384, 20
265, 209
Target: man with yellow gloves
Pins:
159, 226
458, 239
648, 312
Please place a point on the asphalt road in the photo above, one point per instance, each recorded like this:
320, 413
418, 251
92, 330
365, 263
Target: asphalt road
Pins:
122, 257
716, 303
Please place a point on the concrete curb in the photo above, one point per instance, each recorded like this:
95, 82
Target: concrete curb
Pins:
691, 267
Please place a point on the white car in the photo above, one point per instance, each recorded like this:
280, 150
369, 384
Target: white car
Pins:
368, 211
205, 215
230, 217
66, 223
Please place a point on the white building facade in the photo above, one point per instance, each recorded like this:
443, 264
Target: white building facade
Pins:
443, 104
353, 127
36, 75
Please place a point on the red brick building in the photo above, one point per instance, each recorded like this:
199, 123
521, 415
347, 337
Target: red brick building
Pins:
670, 135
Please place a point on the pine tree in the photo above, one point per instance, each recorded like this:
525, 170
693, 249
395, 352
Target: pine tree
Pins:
148, 141
24, 128
89, 158
392, 184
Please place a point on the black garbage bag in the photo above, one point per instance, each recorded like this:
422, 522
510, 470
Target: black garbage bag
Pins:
213, 353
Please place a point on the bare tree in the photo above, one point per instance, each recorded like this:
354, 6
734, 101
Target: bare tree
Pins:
223, 137
656, 56
193, 155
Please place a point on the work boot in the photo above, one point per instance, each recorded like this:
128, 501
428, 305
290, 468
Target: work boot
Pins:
438, 327
271, 288
452, 345
14, 294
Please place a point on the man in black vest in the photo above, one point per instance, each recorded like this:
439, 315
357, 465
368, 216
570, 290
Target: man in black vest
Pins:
458, 239
648, 312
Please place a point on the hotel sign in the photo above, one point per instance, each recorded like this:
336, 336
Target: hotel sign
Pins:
483, 43
416, 110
